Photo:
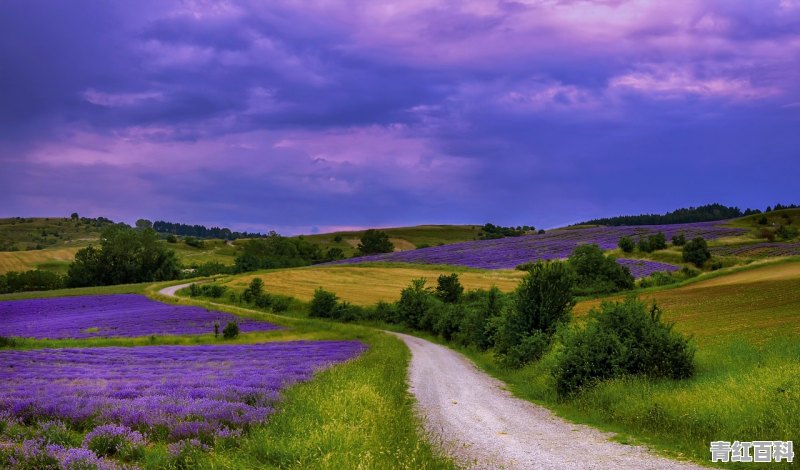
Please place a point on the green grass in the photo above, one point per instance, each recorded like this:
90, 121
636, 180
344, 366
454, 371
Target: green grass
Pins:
99, 290
357, 414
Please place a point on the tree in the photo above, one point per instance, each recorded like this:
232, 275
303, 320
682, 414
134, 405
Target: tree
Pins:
679, 240
448, 288
374, 242
125, 256
657, 241
74, 216
542, 301
415, 302
142, 224
323, 304
626, 244
696, 252
597, 273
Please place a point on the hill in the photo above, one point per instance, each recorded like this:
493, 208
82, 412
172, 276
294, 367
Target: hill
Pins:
403, 238
707, 213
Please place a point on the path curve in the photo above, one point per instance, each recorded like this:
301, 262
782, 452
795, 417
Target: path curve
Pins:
483, 426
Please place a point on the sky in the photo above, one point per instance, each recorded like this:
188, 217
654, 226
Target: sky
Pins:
317, 115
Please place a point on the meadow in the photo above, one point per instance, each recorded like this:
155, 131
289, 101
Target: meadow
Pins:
745, 326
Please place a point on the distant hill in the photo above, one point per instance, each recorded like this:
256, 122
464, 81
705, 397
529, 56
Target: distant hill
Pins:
403, 238
36, 233
707, 213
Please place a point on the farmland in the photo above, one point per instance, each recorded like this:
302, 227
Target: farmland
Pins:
507, 253
366, 285
199, 402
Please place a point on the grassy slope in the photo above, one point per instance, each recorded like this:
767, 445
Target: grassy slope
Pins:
404, 238
366, 285
358, 413
746, 326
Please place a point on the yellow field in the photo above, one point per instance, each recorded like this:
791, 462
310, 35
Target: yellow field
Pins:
756, 305
26, 260
368, 285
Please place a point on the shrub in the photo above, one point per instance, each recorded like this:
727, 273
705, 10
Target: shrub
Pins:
6, 342
415, 302
657, 241
541, 302
254, 290
172, 239
786, 232
280, 303
231, 330
621, 338
334, 254
322, 304
715, 265
762, 220
216, 329
644, 245
596, 273
679, 239
113, 440
626, 244
194, 242
337, 239
767, 233
375, 241
478, 325
696, 251
448, 288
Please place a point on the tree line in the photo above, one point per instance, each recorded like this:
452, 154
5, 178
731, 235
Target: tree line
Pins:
201, 231
707, 213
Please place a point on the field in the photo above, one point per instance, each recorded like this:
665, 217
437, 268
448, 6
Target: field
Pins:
200, 403
31, 233
366, 285
746, 327
507, 253
51, 259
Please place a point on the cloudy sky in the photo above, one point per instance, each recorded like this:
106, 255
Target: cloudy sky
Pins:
307, 115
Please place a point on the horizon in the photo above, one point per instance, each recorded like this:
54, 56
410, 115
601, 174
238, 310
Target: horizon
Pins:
345, 115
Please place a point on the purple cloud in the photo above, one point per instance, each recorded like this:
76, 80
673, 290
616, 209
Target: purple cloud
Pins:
346, 113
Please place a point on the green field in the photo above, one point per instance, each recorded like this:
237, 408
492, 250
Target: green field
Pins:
746, 327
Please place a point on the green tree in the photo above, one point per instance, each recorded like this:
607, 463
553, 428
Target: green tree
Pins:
142, 224
374, 242
415, 302
626, 244
542, 301
679, 240
125, 256
597, 273
323, 304
448, 288
696, 252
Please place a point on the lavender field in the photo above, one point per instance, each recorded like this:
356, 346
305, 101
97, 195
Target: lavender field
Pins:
171, 393
643, 267
758, 250
121, 315
507, 253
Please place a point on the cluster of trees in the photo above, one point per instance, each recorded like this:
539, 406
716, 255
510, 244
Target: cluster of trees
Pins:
374, 242
200, 231
491, 231
523, 326
649, 243
124, 256
779, 207
254, 295
705, 213
593, 272
36, 279
276, 251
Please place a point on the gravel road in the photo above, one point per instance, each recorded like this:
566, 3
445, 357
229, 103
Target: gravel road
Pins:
483, 426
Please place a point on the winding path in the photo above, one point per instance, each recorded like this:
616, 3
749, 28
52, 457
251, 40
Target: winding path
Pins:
482, 425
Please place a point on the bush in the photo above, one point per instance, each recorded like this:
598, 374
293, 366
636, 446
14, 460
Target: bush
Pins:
696, 252
626, 244
644, 245
337, 239
762, 220
33, 280
542, 301
254, 290
786, 232
415, 302
448, 288
479, 322
322, 304
194, 242
374, 242
280, 303
657, 241
334, 254
715, 265
6, 342
207, 290
622, 338
679, 239
113, 440
596, 273
231, 330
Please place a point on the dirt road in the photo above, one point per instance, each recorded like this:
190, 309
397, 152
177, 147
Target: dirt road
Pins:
484, 426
